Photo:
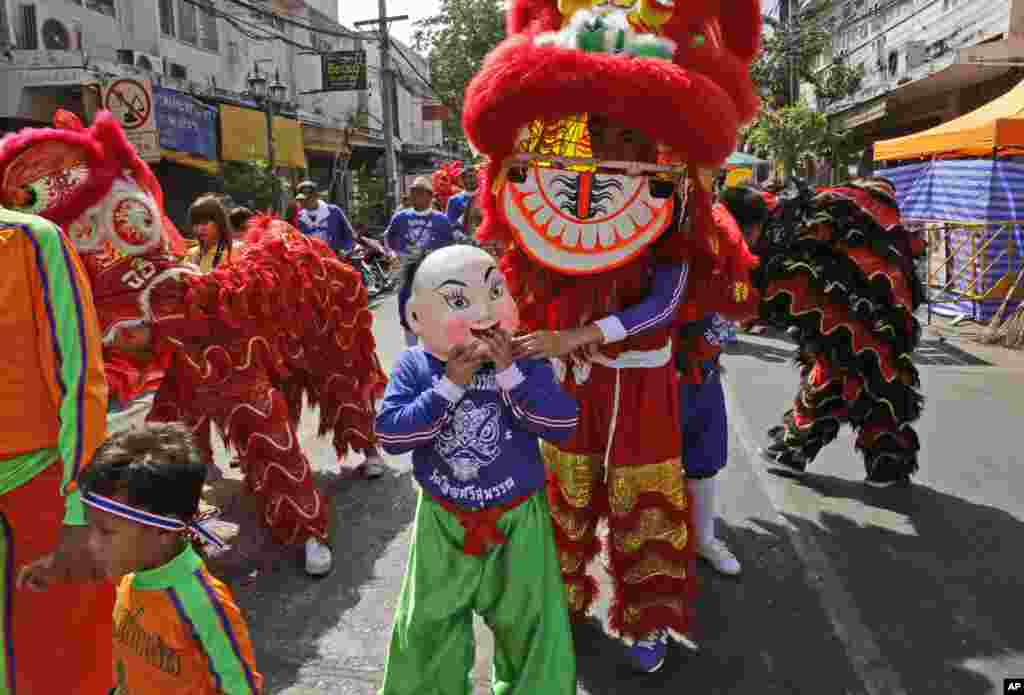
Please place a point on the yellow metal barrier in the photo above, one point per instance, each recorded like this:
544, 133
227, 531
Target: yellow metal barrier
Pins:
964, 260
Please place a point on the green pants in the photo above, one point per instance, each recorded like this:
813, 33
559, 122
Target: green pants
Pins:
516, 587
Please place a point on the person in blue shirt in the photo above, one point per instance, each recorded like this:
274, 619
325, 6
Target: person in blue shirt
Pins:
473, 416
461, 202
415, 231
322, 220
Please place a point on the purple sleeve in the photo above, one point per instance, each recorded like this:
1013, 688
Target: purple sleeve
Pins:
413, 412
537, 401
658, 309
394, 233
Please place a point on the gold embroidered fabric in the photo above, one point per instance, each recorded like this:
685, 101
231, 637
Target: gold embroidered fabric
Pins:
576, 525
575, 597
627, 483
634, 611
570, 561
566, 137
654, 565
653, 525
576, 473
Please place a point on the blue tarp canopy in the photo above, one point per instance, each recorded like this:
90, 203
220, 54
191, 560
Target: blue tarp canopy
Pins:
960, 190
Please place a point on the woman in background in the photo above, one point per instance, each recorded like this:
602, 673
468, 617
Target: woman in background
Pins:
239, 218
212, 229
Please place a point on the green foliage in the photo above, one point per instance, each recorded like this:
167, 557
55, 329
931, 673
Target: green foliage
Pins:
367, 199
790, 134
250, 183
457, 39
798, 47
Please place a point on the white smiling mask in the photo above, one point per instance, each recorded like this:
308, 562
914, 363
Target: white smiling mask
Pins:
456, 289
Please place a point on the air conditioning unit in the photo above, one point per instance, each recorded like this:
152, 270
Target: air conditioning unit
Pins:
60, 35
149, 62
175, 71
915, 51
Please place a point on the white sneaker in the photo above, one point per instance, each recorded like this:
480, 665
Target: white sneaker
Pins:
373, 467
318, 558
720, 557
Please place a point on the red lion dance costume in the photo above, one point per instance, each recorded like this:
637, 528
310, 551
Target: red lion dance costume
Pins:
583, 238
446, 182
239, 347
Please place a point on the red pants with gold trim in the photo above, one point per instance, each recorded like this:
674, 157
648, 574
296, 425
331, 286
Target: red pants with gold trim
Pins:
641, 492
59, 640
253, 415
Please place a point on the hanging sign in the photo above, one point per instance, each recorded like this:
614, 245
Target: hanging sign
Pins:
343, 71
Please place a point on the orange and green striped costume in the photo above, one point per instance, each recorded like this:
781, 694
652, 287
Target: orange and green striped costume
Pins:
178, 630
53, 403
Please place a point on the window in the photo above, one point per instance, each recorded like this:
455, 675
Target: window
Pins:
894, 63
102, 6
167, 18
208, 29
188, 28
28, 29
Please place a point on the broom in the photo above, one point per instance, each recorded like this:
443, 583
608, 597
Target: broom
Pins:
997, 330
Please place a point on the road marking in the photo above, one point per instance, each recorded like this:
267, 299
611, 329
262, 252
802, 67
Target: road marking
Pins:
864, 655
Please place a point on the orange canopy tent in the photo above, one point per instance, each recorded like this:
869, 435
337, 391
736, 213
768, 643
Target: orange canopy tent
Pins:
995, 128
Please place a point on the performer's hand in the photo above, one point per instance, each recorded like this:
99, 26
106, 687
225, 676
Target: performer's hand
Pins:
548, 344
73, 561
464, 361
499, 347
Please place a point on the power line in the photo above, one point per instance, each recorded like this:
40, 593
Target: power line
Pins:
339, 33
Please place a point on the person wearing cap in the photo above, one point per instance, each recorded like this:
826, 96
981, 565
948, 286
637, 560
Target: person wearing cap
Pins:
416, 230
461, 203
322, 220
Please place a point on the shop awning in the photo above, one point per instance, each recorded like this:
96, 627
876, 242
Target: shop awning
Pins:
996, 126
243, 134
186, 160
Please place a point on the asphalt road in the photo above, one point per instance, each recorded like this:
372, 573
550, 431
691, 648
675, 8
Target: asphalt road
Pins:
845, 589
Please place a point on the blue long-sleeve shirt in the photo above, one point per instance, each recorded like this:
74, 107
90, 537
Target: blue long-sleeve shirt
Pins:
457, 206
329, 224
411, 232
475, 447
659, 307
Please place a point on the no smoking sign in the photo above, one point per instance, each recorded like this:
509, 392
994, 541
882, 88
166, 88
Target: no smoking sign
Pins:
131, 102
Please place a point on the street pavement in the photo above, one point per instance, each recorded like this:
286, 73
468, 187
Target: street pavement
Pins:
846, 589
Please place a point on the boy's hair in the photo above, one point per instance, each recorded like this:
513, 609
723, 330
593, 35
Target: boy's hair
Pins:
157, 468
239, 216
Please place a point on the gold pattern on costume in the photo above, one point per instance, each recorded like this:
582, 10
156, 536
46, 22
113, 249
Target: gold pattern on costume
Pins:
653, 525
713, 242
742, 291
575, 597
632, 613
7, 234
576, 474
566, 137
569, 561
573, 524
654, 565
627, 483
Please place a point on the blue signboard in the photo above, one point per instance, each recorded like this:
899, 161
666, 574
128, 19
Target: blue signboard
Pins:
186, 124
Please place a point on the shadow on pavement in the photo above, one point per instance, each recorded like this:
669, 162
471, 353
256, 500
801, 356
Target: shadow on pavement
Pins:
764, 633
761, 351
939, 597
289, 612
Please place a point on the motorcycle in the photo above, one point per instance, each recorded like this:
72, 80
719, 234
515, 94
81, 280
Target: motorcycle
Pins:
376, 268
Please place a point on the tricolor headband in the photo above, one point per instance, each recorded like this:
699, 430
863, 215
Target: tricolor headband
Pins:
140, 516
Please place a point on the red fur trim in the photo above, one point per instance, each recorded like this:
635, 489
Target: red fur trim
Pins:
520, 82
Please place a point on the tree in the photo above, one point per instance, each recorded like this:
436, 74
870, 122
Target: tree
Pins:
456, 40
797, 47
790, 134
250, 183
367, 199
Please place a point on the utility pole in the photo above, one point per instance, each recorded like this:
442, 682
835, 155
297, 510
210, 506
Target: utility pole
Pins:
790, 42
387, 105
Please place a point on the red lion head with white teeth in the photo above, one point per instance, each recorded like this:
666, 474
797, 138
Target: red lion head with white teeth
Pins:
570, 216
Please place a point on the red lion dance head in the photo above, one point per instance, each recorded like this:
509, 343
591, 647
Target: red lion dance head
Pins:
89, 181
446, 182
576, 74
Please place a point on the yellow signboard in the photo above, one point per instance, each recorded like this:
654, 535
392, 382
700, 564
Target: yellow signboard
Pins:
243, 135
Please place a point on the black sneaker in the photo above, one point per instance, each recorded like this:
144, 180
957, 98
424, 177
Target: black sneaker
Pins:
887, 476
781, 456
